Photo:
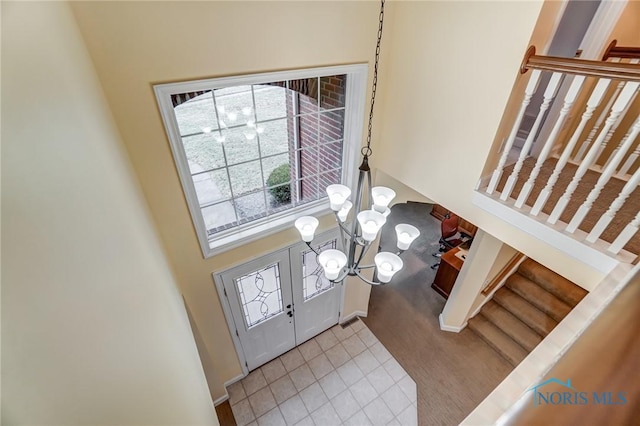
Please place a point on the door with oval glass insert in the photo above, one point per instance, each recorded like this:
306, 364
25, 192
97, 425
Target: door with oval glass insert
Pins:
280, 300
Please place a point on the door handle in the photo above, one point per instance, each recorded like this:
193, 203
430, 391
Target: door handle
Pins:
290, 314
289, 306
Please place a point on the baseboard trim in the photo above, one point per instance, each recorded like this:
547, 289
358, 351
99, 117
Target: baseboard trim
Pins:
450, 328
352, 316
228, 383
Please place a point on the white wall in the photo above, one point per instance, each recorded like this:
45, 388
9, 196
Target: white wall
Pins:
93, 328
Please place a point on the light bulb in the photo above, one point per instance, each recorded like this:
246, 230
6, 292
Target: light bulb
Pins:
332, 264
386, 266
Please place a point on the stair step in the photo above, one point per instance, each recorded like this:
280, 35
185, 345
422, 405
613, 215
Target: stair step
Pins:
540, 322
511, 325
497, 339
538, 296
555, 284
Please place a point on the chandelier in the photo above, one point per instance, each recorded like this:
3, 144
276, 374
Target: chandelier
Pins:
358, 235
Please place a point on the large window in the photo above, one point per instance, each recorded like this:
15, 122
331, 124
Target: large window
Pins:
254, 152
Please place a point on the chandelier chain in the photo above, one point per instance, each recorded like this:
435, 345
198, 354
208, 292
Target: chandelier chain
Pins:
366, 151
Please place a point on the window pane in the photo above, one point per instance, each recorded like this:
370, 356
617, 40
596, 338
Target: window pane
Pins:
234, 105
274, 138
309, 190
331, 126
260, 294
251, 207
241, 144
212, 187
219, 217
314, 280
270, 101
330, 177
195, 115
203, 152
308, 159
308, 130
332, 91
306, 92
330, 155
245, 178
282, 175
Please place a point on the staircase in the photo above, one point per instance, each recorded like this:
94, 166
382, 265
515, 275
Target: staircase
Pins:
523, 311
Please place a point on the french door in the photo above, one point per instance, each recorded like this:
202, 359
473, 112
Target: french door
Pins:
280, 300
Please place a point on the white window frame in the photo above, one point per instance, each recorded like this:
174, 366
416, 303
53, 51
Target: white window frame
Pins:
355, 95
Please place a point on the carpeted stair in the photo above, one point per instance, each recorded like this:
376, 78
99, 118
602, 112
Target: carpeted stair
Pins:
523, 311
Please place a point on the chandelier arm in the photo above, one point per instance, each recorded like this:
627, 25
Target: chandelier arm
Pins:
363, 251
366, 267
365, 279
308, 243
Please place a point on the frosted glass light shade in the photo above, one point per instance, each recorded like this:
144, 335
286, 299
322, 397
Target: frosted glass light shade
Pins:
344, 211
370, 223
382, 196
387, 264
406, 234
385, 213
332, 261
306, 225
338, 195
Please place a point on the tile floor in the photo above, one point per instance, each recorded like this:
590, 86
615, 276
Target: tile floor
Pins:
343, 376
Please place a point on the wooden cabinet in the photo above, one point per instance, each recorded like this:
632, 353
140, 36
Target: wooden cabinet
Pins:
450, 266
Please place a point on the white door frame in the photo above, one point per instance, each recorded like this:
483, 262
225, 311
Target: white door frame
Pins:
226, 306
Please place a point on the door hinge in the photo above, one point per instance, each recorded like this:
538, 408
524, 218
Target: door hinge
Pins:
246, 365
225, 292
237, 334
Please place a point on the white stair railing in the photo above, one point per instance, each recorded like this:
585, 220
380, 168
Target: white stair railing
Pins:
530, 90
549, 94
592, 104
607, 173
623, 238
615, 207
569, 100
619, 106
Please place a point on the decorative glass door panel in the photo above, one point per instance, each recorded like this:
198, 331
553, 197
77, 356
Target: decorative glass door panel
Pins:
314, 281
261, 294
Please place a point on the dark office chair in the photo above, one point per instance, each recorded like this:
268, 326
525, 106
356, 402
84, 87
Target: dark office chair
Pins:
449, 237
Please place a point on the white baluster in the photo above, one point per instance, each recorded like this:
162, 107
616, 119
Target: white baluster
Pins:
549, 94
531, 88
617, 108
594, 131
569, 100
592, 104
630, 161
615, 206
623, 238
612, 131
604, 178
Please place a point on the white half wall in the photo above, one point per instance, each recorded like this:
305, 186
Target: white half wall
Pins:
93, 327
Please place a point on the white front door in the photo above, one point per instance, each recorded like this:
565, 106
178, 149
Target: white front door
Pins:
279, 301
259, 294
315, 298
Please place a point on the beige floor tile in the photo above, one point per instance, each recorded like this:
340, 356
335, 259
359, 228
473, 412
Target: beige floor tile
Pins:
292, 359
366, 361
394, 369
350, 373
302, 377
380, 380
310, 349
326, 340
326, 416
293, 410
363, 392
332, 384
345, 404
338, 355
236, 393
307, 421
367, 337
243, 413
272, 418
380, 352
409, 388
314, 397
262, 401
320, 366
342, 333
273, 370
378, 412
254, 382
353, 345
409, 417
283, 389
358, 419
395, 399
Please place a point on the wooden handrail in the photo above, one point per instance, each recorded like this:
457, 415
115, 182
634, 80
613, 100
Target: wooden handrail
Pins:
613, 70
614, 51
503, 274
